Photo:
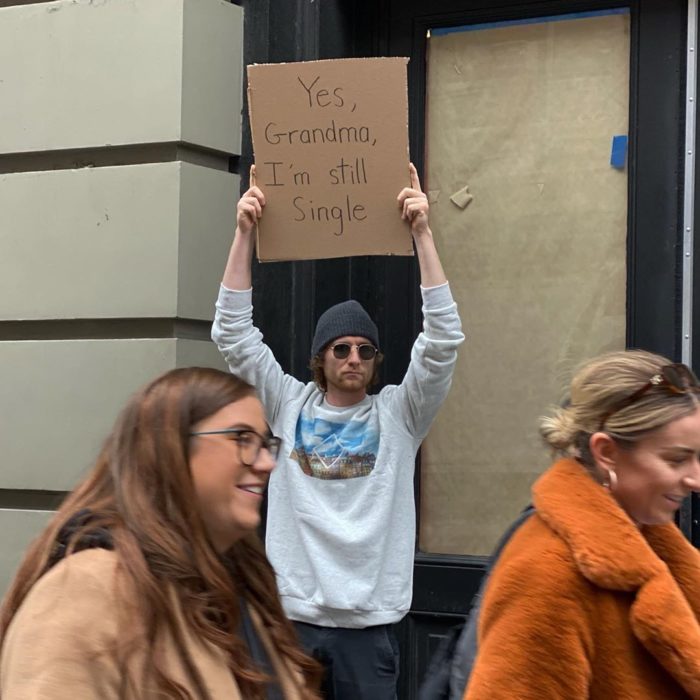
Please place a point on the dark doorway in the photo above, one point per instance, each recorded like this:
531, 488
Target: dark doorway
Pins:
294, 293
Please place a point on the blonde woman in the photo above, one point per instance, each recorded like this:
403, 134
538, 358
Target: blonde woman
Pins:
597, 595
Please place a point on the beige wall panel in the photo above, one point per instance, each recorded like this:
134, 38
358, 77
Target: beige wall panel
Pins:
212, 74
207, 221
105, 242
197, 353
17, 529
60, 399
80, 74
89, 243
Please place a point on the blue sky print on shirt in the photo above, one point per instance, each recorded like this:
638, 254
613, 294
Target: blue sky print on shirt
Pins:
328, 450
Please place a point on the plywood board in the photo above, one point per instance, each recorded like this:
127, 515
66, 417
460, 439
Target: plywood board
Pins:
524, 116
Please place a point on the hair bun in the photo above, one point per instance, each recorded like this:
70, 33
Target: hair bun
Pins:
559, 430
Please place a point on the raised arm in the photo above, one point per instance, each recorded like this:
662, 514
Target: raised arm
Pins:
414, 208
238, 340
249, 210
418, 398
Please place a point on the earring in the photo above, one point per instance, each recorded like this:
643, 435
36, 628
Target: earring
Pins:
610, 481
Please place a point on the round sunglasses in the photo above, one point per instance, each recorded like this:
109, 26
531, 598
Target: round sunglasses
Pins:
366, 351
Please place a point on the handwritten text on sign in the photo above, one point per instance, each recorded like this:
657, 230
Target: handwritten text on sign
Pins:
331, 154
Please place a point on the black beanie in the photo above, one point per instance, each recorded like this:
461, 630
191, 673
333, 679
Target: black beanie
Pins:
346, 318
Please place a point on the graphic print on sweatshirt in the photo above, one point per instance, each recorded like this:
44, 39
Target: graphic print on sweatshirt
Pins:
330, 450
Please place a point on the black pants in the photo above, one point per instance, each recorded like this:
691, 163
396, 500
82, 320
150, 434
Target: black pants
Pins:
360, 664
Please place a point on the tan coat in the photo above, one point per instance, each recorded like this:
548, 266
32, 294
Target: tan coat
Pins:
584, 605
60, 644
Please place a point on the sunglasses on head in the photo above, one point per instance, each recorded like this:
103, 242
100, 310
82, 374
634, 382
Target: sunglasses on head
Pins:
676, 378
366, 351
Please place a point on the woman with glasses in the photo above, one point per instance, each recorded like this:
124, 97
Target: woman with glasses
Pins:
597, 595
150, 582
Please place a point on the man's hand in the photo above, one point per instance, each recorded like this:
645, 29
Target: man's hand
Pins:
414, 208
414, 205
250, 206
248, 212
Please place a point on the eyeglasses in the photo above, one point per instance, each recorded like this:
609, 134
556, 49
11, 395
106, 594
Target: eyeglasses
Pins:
677, 378
249, 443
341, 351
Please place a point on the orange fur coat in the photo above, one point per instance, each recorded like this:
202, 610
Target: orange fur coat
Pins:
584, 605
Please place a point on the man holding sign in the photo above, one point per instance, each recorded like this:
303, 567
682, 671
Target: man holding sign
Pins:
341, 513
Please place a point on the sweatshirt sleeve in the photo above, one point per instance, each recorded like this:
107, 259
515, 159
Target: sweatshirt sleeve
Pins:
246, 355
429, 376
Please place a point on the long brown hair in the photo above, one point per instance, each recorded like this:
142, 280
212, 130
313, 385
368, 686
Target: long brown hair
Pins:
140, 490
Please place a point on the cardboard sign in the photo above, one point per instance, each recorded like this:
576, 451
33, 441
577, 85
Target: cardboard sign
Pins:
331, 155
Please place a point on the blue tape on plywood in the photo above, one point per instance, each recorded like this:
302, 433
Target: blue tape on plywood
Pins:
618, 152
441, 31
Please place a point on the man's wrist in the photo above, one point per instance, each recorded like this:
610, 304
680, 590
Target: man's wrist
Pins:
422, 234
236, 291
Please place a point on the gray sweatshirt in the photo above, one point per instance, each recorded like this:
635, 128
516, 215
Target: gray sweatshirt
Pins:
341, 514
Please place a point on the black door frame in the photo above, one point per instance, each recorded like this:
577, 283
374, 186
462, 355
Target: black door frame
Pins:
295, 293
